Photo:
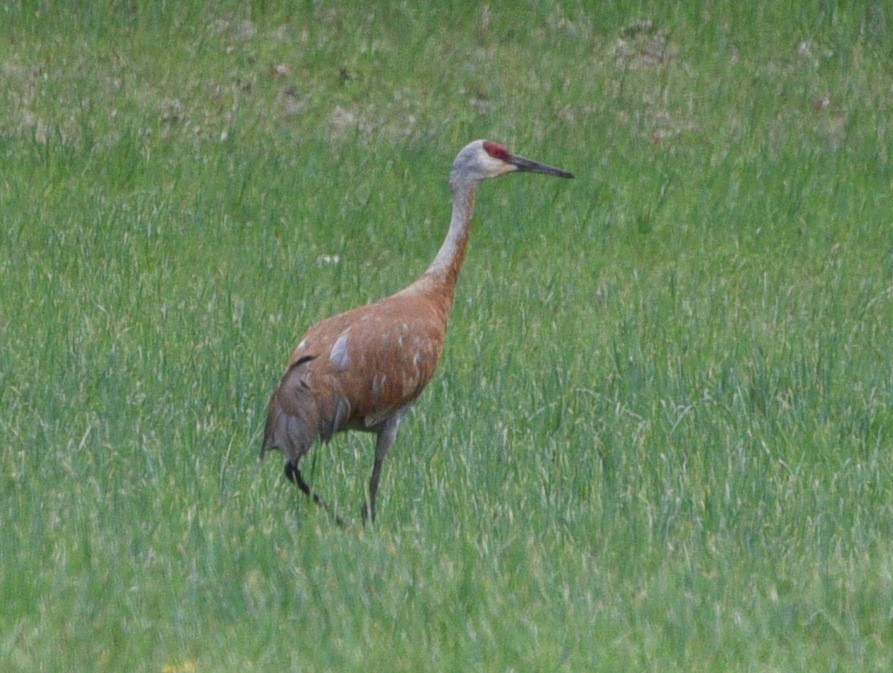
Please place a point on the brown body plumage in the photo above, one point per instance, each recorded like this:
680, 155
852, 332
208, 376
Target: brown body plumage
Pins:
363, 369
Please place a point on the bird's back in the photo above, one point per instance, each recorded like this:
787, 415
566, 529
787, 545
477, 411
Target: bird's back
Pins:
357, 369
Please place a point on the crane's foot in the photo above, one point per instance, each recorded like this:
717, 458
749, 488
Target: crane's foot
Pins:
368, 514
293, 474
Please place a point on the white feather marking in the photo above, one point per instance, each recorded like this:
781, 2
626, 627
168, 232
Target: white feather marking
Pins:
410, 384
378, 382
338, 357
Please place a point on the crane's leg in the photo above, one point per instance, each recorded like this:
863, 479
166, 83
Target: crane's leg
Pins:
386, 436
294, 475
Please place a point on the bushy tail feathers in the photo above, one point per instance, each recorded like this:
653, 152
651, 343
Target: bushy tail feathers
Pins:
297, 415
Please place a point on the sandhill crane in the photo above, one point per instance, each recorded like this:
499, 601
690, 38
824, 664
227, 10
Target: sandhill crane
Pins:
363, 369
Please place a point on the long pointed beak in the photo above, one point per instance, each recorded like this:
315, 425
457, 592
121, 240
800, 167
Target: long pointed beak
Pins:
531, 166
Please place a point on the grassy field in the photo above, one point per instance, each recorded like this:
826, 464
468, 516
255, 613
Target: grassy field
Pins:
661, 438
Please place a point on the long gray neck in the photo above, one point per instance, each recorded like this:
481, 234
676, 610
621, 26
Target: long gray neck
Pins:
447, 263
438, 283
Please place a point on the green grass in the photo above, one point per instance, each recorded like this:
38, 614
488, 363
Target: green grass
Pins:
661, 438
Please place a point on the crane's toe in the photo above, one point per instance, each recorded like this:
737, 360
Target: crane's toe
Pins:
368, 514
291, 473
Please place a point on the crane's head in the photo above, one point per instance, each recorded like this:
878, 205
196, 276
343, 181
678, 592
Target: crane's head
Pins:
484, 159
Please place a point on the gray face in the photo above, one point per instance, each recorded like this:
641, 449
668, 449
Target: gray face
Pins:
483, 159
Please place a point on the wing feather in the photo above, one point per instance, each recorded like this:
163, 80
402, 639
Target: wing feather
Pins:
365, 364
